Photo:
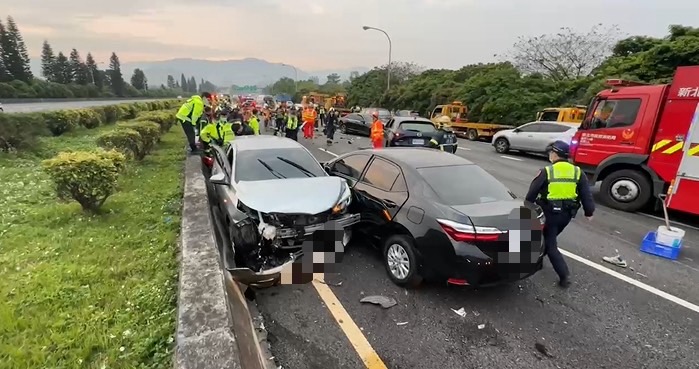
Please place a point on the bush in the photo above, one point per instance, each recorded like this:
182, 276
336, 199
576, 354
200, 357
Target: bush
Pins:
164, 118
149, 131
61, 121
20, 131
89, 118
125, 140
86, 177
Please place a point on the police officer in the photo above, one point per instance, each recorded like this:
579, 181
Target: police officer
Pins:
560, 189
439, 141
218, 132
292, 125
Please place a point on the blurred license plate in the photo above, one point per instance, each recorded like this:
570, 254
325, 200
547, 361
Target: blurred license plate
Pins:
419, 142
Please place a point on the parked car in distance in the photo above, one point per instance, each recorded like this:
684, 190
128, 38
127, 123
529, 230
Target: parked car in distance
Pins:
437, 216
406, 113
534, 137
384, 114
273, 194
415, 132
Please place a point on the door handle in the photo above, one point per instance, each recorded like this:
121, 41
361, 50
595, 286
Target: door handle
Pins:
389, 203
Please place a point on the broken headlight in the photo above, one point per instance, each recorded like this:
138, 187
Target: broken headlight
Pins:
344, 202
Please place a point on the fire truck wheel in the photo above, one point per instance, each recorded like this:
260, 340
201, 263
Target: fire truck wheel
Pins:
627, 190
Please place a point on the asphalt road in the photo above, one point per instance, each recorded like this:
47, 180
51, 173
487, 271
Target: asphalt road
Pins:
60, 105
604, 320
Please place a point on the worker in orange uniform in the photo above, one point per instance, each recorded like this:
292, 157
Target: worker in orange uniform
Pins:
376, 131
309, 120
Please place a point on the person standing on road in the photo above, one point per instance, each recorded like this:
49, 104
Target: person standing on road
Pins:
376, 131
439, 140
292, 125
188, 116
560, 189
309, 119
330, 125
254, 122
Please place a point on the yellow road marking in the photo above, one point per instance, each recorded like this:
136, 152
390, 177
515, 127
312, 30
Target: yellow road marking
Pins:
360, 343
660, 144
674, 148
693, 151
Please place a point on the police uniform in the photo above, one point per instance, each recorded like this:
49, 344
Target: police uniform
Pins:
560, 189
292, 126
442, 139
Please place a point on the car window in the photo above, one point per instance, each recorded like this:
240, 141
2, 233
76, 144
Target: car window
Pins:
249, 168
553, 128
549, 116
530, 127
390, 123
437, 112
424, 127
465, 185
351, 166
381, 174
616, 113
399, 185
229, 155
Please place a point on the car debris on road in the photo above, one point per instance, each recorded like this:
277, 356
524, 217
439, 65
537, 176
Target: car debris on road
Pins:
383, 301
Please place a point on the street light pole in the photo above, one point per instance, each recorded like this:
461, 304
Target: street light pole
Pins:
296, 77
390, 47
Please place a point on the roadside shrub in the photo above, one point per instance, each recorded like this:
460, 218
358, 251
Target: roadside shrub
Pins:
20, 131
111, 113
164, 118
149, 131
61, 121
89, 118
125, 140
86, 177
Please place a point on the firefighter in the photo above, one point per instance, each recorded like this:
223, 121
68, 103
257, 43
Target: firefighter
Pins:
560, 189
218, 132
189, 114
292, 124
439, 141
376, 131
309, 118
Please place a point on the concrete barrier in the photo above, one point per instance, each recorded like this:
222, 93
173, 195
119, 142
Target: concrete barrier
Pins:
214, 326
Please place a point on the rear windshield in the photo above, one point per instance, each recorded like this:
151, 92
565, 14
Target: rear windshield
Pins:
417, 127
465, 185
249, 168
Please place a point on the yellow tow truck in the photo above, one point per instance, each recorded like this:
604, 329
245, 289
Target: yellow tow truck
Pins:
473, 131
574, 114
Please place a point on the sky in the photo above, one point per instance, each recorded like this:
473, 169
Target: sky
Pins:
325, 34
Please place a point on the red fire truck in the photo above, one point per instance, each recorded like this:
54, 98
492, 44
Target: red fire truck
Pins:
642, 141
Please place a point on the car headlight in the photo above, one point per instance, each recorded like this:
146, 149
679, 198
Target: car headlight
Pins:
344, 202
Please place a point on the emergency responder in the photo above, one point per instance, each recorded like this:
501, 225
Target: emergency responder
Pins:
254, 122
292, 124
330, 123
560, 189
309, 119
321, 116
376, 136
439, 141
189, 114
218, 132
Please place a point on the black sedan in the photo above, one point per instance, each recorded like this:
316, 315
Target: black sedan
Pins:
360, 123
438, 216
416, 132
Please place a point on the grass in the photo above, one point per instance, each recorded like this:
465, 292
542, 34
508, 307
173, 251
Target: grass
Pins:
82, 291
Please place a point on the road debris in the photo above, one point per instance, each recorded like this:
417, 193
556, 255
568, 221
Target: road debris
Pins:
615, 260
383, 301
542, 349
334, 284
461, 312
481, 326
401, 323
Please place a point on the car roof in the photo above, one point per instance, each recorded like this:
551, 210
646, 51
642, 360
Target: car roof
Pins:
264, 142
416, 158
401, 119
566, 124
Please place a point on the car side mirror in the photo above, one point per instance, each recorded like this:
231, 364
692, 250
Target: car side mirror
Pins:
218, 179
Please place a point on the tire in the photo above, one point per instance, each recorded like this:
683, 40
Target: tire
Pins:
401, 247
626, 182
472, 135
502, 146
343, 129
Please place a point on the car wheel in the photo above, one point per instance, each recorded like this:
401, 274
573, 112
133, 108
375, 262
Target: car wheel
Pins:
626, 190
401, 261
343, 128
472, 134
502, 146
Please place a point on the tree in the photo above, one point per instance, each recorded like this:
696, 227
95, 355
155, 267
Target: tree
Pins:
192, 85
333, 78
566, 54
353, 75
96, 76
61, 70
184, 83
14, 52
138, 80
48, 60
170, 81
116, 79
78, 70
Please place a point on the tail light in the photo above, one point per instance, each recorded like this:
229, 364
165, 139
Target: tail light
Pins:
468, 233
208, 161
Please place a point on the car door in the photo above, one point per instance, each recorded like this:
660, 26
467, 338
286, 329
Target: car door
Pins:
350, 168
383, 191
523, 137
548, 133
388, 130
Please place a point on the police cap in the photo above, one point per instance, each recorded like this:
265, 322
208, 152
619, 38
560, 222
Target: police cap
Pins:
561, 148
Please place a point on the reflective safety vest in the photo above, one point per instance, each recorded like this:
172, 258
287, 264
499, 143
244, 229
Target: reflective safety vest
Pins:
376, 131
309, 115
563, 178
292, 123
191, 110
255, 125
220, 132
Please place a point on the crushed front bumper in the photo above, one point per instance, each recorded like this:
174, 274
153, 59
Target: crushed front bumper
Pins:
342, 222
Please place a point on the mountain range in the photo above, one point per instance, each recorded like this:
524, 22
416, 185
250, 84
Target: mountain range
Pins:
224, 73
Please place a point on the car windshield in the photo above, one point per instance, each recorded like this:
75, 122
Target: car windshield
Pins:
383, 113
465, 185
424, 127
264, 164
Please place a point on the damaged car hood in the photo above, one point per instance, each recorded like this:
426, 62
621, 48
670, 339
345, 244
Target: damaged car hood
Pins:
311, 195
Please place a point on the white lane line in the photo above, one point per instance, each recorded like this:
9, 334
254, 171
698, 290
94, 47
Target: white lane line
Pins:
329, 152
510, 158
671, 221
632, 281
464, 148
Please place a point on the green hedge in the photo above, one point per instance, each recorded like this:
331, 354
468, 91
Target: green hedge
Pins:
19, 131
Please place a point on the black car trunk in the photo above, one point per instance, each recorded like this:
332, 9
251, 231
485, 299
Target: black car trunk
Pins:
413, 138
